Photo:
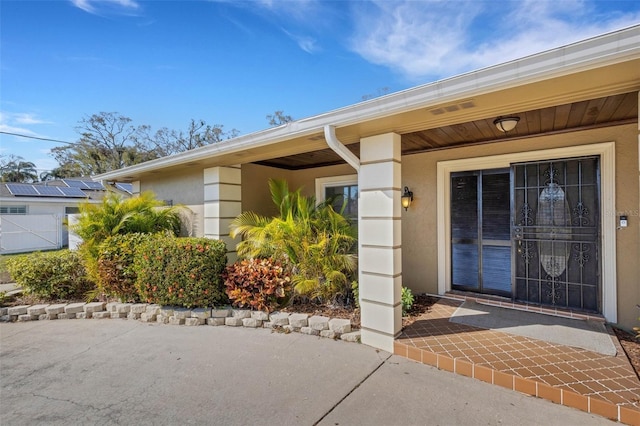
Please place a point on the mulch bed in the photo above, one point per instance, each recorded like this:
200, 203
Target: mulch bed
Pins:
421, 305
631, 345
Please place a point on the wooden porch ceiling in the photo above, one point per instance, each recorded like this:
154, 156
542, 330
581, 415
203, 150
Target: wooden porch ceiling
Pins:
610, 110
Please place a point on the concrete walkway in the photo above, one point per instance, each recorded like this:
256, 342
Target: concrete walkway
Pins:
107, 372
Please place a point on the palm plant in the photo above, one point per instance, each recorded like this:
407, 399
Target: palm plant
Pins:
18, 170
116, 215
316, 242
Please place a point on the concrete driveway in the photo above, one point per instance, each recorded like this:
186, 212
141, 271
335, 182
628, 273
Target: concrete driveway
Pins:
107, 372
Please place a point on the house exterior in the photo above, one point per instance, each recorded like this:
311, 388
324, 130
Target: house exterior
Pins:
32, 216
545, 213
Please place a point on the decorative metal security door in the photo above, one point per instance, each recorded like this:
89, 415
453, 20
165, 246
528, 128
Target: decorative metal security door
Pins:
556, 233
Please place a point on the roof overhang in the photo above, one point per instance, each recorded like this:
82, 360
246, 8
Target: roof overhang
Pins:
600, 66
46, 200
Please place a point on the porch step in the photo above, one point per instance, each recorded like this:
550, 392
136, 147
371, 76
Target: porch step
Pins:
507, 303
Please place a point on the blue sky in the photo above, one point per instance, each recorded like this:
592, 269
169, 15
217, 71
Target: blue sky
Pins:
163, 63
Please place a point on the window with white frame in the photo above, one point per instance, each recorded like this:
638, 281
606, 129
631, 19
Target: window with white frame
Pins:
71, 210
343, 190
13, 209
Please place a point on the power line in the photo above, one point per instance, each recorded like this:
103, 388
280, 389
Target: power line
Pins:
38, 138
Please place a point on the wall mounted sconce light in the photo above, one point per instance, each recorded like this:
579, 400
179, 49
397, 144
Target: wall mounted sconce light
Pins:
407, 198
506, 124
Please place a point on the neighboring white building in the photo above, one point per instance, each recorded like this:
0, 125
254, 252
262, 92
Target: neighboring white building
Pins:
32, 216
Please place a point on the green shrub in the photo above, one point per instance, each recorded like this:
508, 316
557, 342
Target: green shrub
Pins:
116, 270
406, 297
316, 243
181, 271
407, 300
355, 293
260, 284
51, 275
118, 216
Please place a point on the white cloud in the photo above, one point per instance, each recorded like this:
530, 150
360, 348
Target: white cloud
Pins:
440, 38
300, 10
127, 3
539, 26
84, 5
23, 123
28, 118
17, 122
306, 43
13, 129
413, 37
97, 6
303, 21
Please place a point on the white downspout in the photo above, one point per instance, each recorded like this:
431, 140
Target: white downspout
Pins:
339, 148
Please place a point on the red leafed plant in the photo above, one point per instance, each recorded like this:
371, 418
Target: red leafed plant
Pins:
260, 284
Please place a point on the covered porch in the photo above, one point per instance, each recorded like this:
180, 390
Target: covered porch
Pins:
577, 101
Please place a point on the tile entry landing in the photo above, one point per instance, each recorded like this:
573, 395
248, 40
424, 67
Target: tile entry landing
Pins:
592, 382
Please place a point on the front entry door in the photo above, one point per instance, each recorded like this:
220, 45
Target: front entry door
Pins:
529, 232
556, 238
480, 231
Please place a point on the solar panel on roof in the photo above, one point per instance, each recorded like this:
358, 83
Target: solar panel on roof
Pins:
127, 187
51, 191
94, 185
72, 192
21, 189
75, 183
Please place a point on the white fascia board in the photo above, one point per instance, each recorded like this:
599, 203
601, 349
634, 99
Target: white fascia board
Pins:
238, 144
609, 49
49, 200
596, 52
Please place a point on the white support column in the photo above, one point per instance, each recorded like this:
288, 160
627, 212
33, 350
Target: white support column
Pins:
222, 203
379, 240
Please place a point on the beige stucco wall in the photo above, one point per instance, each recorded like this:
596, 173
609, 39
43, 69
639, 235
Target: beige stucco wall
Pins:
255, 189
419, 245
306, 179
185, 188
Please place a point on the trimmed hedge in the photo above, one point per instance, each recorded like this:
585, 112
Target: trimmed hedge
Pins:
181, 271
51, 275
115, 270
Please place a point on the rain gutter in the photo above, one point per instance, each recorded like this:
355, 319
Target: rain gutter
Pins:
339, 148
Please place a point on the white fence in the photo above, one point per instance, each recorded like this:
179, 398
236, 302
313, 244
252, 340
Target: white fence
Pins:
74, 239
24, 233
